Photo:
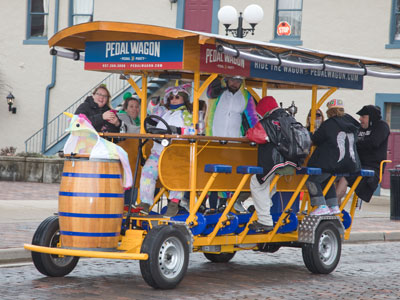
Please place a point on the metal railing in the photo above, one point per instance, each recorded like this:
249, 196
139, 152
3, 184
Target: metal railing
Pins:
57, 126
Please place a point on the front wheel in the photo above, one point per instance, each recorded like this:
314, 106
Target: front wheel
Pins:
323, 256
220, 257
48, 235
168, 251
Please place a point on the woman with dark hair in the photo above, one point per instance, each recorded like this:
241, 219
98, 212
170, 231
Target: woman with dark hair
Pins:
319, 118
130, 117
177, 113
97, 109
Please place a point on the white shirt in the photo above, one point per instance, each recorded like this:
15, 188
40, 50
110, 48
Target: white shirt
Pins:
228, 114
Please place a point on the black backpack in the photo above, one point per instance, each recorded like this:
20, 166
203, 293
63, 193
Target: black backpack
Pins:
290, 137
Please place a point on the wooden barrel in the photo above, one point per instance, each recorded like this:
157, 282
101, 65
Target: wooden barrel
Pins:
90, 203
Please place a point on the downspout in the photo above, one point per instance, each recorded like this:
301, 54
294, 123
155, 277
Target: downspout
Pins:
52, 84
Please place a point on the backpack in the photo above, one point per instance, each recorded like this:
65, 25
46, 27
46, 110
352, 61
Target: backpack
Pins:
290, 137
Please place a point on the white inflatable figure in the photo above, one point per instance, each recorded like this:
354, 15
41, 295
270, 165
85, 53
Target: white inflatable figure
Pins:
84, 139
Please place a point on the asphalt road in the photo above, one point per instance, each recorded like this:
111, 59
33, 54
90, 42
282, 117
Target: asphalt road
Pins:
365, 271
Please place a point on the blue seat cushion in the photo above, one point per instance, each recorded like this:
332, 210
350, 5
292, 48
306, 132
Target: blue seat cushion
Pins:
216, 168
309, 171
249, 170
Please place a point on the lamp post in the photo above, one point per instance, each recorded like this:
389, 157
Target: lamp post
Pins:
252, 14
10, 101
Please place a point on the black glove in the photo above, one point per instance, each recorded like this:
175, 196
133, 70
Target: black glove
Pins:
176, 130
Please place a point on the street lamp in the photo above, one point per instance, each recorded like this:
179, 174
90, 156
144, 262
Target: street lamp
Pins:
10, 101
253, 14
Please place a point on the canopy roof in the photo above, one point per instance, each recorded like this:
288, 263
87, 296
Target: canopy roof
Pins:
276, 56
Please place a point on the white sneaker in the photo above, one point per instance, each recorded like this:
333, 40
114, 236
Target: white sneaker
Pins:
238, 206
321, 210
335, 210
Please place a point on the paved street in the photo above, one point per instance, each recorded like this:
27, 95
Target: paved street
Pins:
366, 271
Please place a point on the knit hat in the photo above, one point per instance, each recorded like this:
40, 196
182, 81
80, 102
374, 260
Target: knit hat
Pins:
335, 103
265, 105
127, 95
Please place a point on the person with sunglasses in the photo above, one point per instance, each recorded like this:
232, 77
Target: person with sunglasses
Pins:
97, 108
319, 118
177, 112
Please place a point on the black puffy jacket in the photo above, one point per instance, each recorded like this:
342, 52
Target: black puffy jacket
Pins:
95, 114
372, 142
335, 142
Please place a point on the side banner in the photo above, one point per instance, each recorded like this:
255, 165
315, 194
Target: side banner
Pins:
307, 76
213, 61
134, 55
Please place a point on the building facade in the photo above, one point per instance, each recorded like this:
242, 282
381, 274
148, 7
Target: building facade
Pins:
43, 85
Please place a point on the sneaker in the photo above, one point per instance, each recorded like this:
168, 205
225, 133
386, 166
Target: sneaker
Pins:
172, 209
238, 206
258, 227
145, 208
335, 210
321, 210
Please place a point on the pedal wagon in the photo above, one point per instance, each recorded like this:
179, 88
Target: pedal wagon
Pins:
91, 221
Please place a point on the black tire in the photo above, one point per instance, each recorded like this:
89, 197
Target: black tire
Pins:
48, 235
323, 256
168, 251
220, 257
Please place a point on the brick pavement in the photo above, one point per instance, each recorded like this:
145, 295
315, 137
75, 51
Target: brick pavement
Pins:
23, 205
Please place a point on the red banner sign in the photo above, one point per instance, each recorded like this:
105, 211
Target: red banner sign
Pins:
216, 62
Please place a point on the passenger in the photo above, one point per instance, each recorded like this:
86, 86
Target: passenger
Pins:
319, 118
177, 112
335, 152
268, 158
231, 108
372, 148
130, 117
231, 112
97, 109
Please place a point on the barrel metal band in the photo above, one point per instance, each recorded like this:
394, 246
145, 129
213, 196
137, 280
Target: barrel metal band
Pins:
76, 215
96, 195
90, 234
88, 175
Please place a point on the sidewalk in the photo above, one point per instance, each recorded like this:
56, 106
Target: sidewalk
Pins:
24, 205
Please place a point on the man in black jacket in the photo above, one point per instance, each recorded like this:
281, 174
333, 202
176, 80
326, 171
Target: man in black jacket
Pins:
372, 149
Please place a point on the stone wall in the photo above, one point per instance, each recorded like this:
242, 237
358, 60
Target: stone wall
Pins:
32, 169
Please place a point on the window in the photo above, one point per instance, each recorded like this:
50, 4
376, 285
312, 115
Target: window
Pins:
395, 26
38, 13
288, 22
81, 11
393, 116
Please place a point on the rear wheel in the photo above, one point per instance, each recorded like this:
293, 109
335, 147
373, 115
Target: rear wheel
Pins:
323, 256
48, 235
168, 251
220, 257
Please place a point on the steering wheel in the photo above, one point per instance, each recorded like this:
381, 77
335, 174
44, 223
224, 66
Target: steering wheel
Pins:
149, 127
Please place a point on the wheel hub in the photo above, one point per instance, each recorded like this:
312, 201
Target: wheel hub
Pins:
327, 247
171, 257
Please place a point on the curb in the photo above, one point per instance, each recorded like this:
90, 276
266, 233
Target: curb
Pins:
374, 236
12, 255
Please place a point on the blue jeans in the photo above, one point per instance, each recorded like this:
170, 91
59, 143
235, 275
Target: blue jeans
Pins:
315, 184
